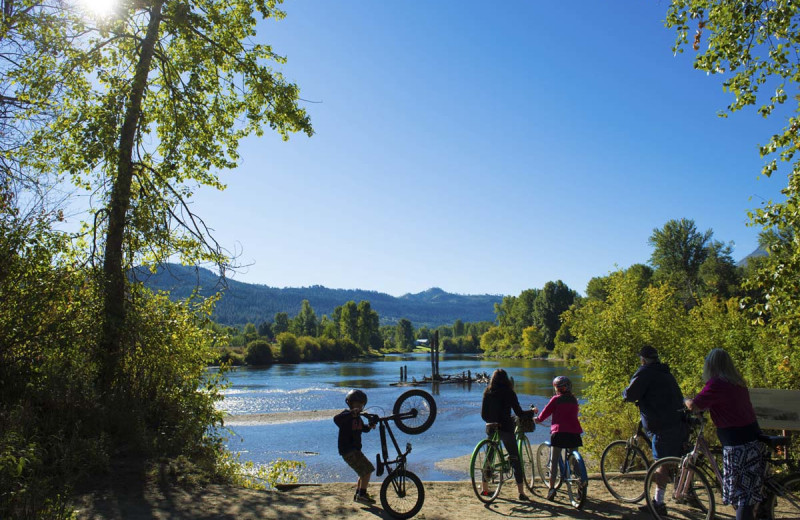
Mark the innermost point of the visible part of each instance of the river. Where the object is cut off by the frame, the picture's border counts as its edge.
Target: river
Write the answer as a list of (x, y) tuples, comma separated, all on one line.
[(302, 396)]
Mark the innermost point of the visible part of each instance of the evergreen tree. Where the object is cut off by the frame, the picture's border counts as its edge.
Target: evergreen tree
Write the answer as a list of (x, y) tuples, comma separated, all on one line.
[(305, 323)]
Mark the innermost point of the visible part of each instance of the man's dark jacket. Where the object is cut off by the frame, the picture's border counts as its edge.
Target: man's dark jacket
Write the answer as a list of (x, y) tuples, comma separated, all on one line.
[(658, 395)]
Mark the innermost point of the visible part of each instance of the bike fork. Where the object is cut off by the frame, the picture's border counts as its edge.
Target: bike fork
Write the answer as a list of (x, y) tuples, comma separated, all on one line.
[(684, 481)]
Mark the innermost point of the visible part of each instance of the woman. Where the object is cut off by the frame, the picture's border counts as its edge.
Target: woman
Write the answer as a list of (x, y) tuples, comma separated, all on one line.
[(565, 428), (499, 399), (725, 395)]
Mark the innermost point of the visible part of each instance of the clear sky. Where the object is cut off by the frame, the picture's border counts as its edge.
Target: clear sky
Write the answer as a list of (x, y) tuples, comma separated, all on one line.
[(485, 148)]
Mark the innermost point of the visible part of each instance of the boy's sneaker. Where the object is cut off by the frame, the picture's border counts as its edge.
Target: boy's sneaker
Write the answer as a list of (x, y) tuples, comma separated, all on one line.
[(363, 498), (551, 494), (660, 507)]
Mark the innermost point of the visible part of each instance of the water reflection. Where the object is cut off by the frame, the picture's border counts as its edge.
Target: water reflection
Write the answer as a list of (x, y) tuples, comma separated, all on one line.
[(361, 370)]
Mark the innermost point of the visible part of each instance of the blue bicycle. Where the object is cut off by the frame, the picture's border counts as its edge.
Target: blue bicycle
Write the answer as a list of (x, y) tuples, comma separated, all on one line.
[(572, 471)]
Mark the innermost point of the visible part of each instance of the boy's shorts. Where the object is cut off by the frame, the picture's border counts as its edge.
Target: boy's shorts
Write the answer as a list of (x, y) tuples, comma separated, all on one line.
[(360, 464)]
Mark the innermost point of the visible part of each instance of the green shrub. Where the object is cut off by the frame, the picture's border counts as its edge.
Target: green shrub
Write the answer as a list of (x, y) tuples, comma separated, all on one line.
[(290, 352), (310, 348), (259, 352)]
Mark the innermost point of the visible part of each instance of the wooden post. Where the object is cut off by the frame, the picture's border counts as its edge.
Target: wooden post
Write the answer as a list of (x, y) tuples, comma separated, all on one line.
[(436, 355), (432, 345)]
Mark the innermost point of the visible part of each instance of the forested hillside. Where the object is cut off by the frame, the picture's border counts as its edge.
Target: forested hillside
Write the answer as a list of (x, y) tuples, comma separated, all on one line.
[(243, 303)]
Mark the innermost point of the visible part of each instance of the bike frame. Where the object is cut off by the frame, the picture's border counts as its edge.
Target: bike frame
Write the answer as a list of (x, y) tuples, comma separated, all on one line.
[(519, 436), (563, 467), (494, 438), (689, 460), (383, 428)]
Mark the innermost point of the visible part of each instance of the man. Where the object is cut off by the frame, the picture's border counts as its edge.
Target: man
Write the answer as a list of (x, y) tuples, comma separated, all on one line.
[(660, 401)]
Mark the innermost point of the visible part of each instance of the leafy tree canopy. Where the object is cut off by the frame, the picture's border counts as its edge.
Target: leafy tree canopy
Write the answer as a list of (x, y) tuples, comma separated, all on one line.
[(754, 47)]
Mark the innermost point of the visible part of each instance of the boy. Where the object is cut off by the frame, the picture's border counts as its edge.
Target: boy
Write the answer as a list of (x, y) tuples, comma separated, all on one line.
[(350, 427)]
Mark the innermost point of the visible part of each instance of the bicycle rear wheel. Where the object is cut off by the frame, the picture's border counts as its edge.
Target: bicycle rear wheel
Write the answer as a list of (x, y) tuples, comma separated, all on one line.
[(486, 465), (576, 486), (402, 494), (420, 407), (695, 500), (784, 502), (528, 464), (624, 469)]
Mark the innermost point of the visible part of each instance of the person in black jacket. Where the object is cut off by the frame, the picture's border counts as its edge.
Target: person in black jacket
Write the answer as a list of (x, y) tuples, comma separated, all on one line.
[(350, 426), (499, 399), (654, 389)]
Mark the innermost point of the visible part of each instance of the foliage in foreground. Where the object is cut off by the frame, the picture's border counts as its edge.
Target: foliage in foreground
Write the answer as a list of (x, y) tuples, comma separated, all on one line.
[(51, 430)]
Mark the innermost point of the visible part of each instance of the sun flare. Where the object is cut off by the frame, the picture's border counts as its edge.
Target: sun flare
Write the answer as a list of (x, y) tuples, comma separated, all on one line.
[(100, 8)]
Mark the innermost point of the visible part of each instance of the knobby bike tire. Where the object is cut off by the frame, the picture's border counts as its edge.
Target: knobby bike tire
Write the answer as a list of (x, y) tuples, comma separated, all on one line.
[(528, 463), (784, 503), (418, 400), (402, 494), (486, 464), (624, 469), (576, 485), (697, 504)]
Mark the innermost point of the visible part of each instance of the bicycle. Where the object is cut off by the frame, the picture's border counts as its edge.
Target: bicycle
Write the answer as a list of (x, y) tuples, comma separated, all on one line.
[(402, 493), (572, 470), (782, 492), (624, 466), (690, 495), (490, 463)]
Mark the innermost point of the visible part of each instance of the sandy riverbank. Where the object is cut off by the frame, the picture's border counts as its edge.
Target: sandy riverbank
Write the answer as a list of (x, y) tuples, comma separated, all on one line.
[(280, 417)]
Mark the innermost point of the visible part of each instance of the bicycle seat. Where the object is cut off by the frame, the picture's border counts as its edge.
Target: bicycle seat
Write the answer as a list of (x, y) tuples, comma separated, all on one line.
[(773, 441), (492, 427)]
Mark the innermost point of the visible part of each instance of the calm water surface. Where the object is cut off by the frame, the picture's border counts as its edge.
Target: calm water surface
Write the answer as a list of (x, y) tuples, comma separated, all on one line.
[(322, 386)]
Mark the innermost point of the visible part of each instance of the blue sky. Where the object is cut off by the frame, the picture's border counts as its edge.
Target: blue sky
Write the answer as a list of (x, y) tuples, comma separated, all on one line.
[(485, 148)]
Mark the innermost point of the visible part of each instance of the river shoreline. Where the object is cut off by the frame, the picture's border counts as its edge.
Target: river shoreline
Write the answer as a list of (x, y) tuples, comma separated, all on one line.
[(256, 419)]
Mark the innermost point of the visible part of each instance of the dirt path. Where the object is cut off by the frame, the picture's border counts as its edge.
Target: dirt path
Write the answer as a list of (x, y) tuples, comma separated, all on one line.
[(443, 500)]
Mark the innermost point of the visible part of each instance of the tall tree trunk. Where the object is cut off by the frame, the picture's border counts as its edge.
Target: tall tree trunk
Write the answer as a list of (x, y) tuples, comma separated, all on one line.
[(113, 274)]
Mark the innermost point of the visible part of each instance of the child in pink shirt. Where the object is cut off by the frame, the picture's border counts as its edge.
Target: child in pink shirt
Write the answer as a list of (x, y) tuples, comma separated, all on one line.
[(565, 429)]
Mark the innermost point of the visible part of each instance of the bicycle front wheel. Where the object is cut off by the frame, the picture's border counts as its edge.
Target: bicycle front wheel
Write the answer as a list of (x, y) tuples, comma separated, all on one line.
[(784, 501), (402, 494), (486, 471), (624, 469), (417, 410), (543, 465), (688, 494), (576, 486), (528, 464)]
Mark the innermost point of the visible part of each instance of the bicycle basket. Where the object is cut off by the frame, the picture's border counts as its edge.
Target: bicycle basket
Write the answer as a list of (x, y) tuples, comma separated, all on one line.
[(525, 422)]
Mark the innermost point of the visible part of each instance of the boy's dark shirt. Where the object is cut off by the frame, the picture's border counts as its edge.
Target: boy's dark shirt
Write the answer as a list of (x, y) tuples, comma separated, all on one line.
[(350, 429), (497, 406)]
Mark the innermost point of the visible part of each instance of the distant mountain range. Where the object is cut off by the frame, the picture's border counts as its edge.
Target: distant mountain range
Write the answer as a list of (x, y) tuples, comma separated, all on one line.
[(243, 303), (755, 254)]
